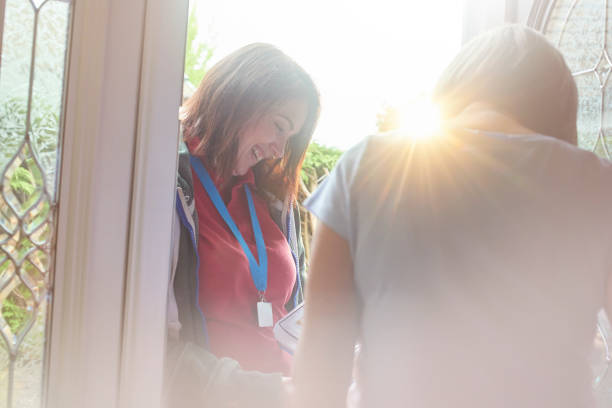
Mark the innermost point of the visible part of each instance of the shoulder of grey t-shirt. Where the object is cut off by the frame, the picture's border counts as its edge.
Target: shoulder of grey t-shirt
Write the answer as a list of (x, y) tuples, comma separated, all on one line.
[(330, 202)]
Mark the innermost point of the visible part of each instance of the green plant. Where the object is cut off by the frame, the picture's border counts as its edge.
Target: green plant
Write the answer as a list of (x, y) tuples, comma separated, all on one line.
[(43, 132), (318, 162), (197, 53), (26, 182), (14, 310), (23, 181)]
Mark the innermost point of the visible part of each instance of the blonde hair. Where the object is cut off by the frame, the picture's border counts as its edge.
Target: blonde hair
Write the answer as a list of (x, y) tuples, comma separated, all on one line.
[(518, 72)]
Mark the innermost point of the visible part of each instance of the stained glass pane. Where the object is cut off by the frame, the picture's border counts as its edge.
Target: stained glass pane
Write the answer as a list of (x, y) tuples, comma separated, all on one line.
[(589, 110), (582, 31), (14, 75), (34, 44), (566, 30)]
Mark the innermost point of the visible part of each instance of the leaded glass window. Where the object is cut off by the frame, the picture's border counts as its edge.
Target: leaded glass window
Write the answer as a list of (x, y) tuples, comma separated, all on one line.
[(34, 38), (581, 30)]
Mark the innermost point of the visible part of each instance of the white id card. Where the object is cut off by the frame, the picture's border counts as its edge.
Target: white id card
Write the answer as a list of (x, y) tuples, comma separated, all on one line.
[(264, 314)]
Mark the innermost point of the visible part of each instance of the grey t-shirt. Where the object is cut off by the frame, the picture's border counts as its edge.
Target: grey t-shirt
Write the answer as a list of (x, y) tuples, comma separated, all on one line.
[(480, 259)]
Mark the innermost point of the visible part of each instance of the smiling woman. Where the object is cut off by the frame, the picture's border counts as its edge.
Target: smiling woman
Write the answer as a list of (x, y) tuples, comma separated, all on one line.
[(238, 99), (267, 137), (238, 258)]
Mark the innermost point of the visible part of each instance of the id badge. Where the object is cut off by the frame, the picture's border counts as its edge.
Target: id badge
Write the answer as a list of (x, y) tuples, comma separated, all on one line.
[(264, 314)]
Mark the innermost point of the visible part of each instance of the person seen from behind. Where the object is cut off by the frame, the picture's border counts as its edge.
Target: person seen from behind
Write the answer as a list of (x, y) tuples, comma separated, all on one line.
[(470, 265)]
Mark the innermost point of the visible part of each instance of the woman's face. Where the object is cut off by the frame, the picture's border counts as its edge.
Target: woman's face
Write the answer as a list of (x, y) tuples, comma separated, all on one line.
[(267, 137)]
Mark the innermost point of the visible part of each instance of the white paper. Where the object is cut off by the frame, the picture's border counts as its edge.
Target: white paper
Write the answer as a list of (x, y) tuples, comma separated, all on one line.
[(287, 330)]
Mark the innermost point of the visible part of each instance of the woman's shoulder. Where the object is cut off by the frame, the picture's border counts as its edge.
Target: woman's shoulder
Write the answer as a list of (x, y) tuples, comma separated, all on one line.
[(580, 158), (184, 179), (376, 151)]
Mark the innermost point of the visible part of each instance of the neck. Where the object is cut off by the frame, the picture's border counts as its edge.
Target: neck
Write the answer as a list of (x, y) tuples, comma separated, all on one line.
[(484, 117)]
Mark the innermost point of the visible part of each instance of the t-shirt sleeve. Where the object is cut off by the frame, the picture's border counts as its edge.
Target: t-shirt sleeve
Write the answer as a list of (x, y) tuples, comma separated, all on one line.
[(331, 201)]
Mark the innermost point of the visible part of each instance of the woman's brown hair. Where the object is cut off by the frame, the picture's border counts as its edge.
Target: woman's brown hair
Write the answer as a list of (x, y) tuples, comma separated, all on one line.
[(239, 89), (517, 71)]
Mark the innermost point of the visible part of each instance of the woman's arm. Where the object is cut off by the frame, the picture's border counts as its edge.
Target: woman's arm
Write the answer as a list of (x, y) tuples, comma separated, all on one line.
[(195, 378), (324, 360)]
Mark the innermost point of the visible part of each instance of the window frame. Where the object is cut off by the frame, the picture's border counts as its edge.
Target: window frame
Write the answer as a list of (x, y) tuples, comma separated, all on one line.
[(106, 342), (482, 15), (539, 14)]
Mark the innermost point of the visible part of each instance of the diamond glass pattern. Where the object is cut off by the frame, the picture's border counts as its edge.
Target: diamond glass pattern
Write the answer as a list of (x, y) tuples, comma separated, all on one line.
[(602, 70), (34, 44), (581, 30)]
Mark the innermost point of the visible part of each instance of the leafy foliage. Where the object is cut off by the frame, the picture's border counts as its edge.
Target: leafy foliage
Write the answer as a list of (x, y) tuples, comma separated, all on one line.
[(23, 181), (319, 161), (14, 310), (197, 53), (44, 136), (26, 216)]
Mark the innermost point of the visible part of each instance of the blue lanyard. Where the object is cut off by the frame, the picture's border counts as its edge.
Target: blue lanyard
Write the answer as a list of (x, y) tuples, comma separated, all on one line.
[(259, 270)]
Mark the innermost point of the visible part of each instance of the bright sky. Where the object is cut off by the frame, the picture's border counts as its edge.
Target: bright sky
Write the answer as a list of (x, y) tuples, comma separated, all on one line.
[(361, 54)]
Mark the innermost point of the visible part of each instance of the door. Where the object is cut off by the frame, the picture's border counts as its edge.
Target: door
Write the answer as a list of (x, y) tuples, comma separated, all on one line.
[(89, 156)]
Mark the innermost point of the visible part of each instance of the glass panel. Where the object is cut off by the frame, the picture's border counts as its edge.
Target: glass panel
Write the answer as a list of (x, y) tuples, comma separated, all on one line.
[(48, 86), (565, 28), (27, 392), (580, 28), (589, 110), (31, 89), (14, 75)]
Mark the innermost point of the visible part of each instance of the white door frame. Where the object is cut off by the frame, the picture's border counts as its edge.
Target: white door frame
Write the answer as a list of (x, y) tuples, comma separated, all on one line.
[(153, 192), (124, 81)]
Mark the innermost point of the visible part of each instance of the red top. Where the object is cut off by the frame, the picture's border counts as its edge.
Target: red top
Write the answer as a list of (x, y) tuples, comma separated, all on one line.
[(227, 294)]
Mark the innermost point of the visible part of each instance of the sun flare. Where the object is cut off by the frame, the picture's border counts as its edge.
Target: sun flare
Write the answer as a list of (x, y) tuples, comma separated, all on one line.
[(420, 119)]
